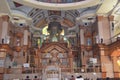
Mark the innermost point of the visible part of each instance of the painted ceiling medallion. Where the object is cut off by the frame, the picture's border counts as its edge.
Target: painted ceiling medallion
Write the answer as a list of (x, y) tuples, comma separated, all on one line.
[(59, 6), (59, 1)]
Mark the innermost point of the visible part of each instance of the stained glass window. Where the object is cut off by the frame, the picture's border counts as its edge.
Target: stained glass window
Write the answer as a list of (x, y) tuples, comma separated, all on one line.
[(44, 30)]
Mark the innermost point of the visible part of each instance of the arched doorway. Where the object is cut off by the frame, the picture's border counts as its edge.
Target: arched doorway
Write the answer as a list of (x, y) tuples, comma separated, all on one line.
[(116, 62)]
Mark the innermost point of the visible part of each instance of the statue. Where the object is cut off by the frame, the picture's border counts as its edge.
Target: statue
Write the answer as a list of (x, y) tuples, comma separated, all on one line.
[(55, 30)]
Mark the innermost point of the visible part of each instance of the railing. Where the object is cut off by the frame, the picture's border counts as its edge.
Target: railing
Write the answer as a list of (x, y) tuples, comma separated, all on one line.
[(87, 70), (39, 70), (90, 76), (22, 70), (22, 73), (59, 1), (22, 76)]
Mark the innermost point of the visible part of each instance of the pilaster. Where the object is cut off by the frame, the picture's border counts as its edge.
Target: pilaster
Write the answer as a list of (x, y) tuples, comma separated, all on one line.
[(102, 54), (5, 24), (103, 29)]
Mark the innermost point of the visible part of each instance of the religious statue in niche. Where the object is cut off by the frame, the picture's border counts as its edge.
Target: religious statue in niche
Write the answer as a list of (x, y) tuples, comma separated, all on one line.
[(54, 29), (88, 37), (89, 42)]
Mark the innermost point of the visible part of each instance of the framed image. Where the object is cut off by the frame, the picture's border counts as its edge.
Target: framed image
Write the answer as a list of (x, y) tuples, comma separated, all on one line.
[(26, 65)]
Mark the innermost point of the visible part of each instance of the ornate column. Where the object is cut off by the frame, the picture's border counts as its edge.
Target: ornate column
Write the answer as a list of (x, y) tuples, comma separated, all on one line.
[(82, 38), (37, 58), (25, 42), (71, 60), (82, 45), (26, 34)]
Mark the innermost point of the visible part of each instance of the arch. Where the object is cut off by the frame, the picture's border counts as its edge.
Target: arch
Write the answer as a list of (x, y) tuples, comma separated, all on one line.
[(116, 53)]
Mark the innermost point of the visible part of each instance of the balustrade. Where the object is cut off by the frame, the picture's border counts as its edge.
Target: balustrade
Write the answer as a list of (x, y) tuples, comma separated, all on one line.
[(39, 70)]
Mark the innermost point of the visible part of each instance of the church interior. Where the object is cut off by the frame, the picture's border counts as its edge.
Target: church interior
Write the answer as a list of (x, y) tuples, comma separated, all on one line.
[(55, 39)]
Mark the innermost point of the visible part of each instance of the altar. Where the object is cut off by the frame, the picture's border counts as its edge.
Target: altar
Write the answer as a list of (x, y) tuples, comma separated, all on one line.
[(52, 73)]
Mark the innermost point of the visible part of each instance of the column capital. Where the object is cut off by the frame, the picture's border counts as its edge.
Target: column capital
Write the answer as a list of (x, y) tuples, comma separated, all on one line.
[(99, 18), (111, 18), (5, 18)]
